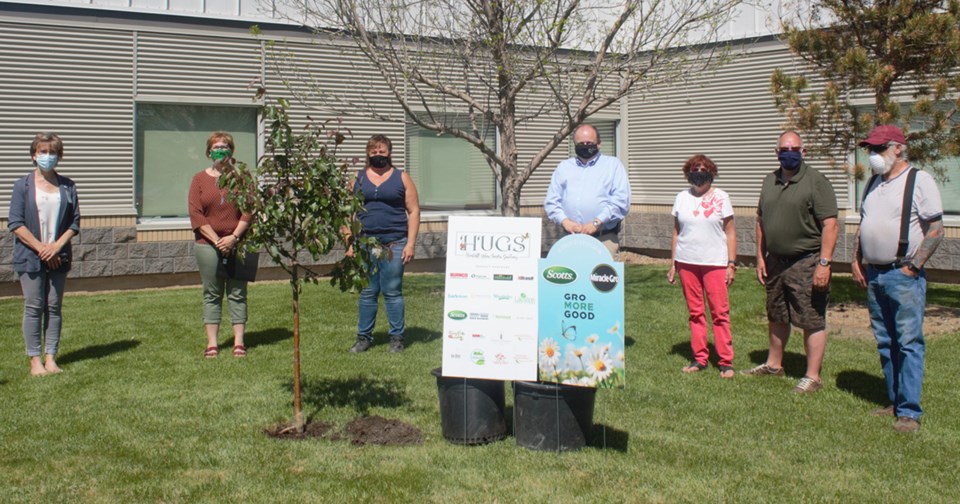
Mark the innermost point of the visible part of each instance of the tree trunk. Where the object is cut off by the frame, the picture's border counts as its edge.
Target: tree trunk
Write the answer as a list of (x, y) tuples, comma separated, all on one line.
[(510, 193), (297, 412)]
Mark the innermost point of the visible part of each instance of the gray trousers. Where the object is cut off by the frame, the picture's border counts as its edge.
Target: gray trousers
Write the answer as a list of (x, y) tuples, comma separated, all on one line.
[(42, 295), (214, 287)]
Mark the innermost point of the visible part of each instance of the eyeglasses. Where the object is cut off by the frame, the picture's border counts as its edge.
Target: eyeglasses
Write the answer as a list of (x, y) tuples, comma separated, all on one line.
[(789, 149), (878, 148)]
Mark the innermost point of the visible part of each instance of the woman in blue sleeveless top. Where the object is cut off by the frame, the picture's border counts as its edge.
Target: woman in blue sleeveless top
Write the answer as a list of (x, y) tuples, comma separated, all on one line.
[(392, 216)]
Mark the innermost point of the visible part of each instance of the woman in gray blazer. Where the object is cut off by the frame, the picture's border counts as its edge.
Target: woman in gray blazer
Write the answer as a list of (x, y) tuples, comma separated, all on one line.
[(44, 216)]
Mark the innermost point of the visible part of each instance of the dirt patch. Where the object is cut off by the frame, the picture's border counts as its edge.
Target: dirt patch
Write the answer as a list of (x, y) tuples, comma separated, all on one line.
[(382, 431), (361, 431), (635, 258), (852, 321), (310, 431)]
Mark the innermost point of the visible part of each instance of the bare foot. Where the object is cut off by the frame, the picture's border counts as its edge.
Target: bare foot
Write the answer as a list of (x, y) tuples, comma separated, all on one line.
[(727, 374), (51, 367), (36, 367)]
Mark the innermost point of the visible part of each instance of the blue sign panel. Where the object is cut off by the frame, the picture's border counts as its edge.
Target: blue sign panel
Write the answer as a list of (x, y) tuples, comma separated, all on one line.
[(581, 338)]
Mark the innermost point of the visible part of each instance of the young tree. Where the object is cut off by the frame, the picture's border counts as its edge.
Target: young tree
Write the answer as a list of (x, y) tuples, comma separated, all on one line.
[(480, 68), (902, 56), (301, 200)]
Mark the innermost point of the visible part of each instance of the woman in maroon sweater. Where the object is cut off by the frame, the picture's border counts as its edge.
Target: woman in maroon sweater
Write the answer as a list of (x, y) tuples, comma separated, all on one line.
[(218, 226)]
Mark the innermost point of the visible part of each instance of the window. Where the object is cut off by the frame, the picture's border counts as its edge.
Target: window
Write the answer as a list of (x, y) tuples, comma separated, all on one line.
[(170, 147), (949, 188), (449, 173), (608, 136)]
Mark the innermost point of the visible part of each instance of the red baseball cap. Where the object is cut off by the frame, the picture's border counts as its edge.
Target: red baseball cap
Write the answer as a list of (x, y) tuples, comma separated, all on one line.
[(881, 135)]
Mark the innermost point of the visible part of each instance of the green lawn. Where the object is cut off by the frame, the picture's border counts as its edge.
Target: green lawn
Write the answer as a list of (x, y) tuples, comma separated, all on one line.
[(139, 416)]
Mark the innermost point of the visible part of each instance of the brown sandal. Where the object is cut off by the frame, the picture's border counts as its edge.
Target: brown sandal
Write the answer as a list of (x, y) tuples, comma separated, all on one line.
[(211, 352), (239, 351)]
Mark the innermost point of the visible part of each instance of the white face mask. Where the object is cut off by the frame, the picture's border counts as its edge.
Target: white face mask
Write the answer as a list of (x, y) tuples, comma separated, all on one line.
[(879, 163)]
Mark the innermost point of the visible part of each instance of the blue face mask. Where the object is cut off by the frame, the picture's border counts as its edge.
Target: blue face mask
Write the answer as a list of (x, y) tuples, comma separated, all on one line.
[(790, 160), (47, 162)]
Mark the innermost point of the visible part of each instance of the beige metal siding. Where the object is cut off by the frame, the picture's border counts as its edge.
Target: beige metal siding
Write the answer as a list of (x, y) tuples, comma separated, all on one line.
[(212, 68), (77, 83), (339, 70), (729, 116)]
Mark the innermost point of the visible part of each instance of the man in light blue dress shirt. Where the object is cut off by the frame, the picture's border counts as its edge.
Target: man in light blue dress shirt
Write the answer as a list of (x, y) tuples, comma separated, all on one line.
[(589, 193)]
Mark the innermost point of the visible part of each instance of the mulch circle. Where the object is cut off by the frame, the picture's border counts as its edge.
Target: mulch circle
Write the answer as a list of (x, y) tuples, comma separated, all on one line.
[(374, 430), (310, 430), (382, 431)]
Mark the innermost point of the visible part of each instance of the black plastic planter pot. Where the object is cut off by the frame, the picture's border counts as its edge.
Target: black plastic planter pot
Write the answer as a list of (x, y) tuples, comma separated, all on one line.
[(552, 417), (471, 410)]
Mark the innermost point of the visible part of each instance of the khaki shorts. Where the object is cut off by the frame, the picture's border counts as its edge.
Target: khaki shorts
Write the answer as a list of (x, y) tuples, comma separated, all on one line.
[(790, 294)]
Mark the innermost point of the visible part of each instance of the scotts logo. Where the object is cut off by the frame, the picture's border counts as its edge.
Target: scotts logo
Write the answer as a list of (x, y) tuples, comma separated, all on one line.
[(559, 275), (604, 278), (457, 315)]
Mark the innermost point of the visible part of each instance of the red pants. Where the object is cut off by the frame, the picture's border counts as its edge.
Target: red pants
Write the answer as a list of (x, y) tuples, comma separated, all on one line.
[(712, 281)]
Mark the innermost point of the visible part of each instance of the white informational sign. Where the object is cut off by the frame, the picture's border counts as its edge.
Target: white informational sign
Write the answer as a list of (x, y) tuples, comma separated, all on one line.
[(490, 310)]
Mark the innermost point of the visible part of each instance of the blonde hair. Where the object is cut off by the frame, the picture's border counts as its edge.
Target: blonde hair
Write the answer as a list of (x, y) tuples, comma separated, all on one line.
[(51, 140), (219, 135)]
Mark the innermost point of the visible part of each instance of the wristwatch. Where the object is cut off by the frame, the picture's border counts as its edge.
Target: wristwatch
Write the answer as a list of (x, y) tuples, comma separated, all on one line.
[(825, 262), (597, 223), (912, 267)]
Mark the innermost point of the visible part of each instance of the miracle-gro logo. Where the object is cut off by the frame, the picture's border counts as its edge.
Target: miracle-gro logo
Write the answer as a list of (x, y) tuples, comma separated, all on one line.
[(559, 275), (604, 278)]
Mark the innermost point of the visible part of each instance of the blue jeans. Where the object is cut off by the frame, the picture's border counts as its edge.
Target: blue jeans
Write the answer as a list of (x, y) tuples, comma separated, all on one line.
[(387, 278), (896, 315)]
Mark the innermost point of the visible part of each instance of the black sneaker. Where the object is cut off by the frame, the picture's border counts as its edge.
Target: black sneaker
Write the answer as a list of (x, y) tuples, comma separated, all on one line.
[(396, 345), (361, 345)]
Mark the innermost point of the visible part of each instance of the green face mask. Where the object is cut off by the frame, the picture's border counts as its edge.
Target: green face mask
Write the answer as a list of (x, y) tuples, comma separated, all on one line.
[(219, 154)]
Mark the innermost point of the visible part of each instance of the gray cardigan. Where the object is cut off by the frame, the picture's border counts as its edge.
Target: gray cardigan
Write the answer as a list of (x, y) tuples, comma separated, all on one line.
[(23, 212)]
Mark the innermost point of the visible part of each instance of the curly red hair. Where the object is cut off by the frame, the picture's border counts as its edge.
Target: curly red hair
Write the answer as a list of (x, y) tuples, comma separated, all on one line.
[(700, 161)]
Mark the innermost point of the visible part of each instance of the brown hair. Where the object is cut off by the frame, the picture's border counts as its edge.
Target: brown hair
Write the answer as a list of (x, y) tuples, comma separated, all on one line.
[(700, 160), (380, 139), (50, 139), (219, 135)]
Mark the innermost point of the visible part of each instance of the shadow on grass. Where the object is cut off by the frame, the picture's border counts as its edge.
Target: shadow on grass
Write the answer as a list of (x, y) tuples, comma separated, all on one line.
[(411, 336), (794, 364), (684, 350), (359, 394), (628, 341), (260, 338), (609, 438), (97, 351), (864, 385)]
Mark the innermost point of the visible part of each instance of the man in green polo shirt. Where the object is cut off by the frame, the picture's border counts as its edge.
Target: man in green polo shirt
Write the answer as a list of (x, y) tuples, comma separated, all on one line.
[(796, 234)]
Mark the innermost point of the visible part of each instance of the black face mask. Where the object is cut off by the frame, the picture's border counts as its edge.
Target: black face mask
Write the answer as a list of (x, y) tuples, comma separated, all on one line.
[(698, 178), (586, 150), (379, 161)]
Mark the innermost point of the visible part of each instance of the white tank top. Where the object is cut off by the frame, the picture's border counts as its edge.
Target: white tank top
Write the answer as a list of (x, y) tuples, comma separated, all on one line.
[(48, 206)]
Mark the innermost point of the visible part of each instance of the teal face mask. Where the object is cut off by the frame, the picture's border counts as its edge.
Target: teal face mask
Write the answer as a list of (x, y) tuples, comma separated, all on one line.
[(219, 154)]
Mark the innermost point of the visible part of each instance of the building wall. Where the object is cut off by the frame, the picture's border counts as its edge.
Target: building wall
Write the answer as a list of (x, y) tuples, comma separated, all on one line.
[(81, 73)]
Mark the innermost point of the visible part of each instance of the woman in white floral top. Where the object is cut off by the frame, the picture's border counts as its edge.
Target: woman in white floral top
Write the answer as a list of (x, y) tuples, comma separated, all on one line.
[(704, 253)]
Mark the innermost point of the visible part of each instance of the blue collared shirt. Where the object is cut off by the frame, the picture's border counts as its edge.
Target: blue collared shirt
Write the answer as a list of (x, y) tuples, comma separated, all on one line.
[(582, 192)]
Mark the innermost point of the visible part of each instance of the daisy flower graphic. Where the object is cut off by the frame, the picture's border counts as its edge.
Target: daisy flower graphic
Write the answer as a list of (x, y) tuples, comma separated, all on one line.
[(592, 338), (599, 366), (549, 353)]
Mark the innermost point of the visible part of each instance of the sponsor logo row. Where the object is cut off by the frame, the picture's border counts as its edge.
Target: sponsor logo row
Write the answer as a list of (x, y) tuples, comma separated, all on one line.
[(482, 358)]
